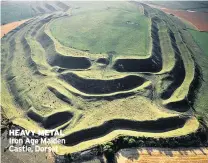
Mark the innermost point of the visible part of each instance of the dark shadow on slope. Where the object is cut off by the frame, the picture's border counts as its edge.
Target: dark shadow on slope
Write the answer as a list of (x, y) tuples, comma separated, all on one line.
[(195, 85), (95, 86), (57, 119), (104, 61), (179, 106), (41, 23), (60, 95), (56, 59), (152, 64), (188, 102), (146, 92), (160, 125), (177, 74), (52, 121)]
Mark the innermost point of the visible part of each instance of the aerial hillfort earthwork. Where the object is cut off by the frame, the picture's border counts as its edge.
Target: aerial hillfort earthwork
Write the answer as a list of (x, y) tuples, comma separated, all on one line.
[(110, 75)]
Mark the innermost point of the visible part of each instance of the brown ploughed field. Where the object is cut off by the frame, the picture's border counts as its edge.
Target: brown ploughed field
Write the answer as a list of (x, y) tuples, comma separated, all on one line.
[(198, 19), (10, 26)]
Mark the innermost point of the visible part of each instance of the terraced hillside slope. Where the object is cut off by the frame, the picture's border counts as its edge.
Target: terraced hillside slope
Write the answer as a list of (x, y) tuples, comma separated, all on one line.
[(127, 70), (193, 14)]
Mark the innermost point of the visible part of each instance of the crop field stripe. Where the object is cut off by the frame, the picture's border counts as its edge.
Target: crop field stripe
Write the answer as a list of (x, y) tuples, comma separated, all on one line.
[(155, 155)]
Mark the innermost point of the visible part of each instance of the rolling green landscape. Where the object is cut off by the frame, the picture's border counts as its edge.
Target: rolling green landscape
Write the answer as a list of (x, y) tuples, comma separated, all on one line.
[(109, 76), (20, 10)]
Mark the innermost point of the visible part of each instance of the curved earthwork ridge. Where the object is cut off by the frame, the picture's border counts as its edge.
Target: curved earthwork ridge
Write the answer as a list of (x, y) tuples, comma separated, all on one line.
[(152, 64), (144, 90), (156, 51), (52, 121), (93, 86), (153, 126), (84, 63), (178, 72), (56, 59)]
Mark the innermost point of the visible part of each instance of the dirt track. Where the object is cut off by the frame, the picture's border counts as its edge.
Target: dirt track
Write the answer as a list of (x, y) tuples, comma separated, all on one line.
[(159, 155), (10, 26)]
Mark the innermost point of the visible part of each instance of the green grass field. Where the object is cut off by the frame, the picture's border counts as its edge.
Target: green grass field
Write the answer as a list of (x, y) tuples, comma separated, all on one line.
[(16, 11), (201, 38), (125, 32), (19, 10)]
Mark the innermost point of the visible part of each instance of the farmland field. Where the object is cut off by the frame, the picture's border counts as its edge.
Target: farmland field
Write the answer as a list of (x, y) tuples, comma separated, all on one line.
[(197, 19), (10, 26), (193, 14), (201, 38), (183, 5), (103, 75), (155, 155)]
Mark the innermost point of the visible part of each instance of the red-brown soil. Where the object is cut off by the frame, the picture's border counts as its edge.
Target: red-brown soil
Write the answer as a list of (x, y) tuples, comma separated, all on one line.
[(10, 26), (198, 19)]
